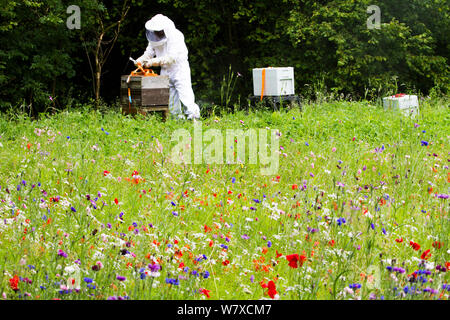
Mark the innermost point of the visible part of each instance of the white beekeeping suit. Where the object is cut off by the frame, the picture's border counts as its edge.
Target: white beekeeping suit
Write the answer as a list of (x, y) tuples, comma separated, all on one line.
[(166, 48)]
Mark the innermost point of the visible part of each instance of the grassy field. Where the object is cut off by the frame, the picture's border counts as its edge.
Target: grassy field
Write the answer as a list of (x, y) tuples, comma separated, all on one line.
[(94, 207)]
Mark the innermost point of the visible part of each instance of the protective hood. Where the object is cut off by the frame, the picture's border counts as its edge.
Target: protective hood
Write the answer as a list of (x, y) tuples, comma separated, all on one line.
[(159, 23)]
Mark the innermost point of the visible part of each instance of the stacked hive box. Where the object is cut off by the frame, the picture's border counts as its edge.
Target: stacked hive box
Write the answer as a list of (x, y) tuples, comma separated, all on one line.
[(407, 104), (148, 93)]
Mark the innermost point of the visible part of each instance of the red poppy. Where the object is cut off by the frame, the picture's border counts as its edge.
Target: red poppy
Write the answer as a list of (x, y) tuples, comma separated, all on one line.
[(294, 187), (437, 244), (425, 255), (331, 243), (205, 292), (272, 289), (116, 201), (279, 254), (293, 260), (399, 240), (226, 262), (414, 245), (14, 283), (106, 172)]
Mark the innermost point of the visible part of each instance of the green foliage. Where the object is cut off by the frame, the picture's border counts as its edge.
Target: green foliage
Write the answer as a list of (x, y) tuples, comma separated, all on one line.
[(334, 40), (36, 53)]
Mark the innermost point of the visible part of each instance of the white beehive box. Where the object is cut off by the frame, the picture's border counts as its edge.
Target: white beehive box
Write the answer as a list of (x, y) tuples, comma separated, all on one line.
[(407, 104), (277, 82)]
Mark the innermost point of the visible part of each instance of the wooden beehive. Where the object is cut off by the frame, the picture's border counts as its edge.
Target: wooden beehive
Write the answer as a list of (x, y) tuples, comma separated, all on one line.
[(148, 93)]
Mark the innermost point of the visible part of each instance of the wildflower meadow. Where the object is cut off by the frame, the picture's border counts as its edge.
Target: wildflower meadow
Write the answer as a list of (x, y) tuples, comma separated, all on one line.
[(94, 206)]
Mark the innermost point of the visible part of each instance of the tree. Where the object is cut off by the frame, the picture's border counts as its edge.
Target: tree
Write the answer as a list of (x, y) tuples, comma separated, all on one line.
[(100, 31)]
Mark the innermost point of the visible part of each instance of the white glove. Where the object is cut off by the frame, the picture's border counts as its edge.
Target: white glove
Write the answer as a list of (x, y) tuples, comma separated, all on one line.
[(156, 62)]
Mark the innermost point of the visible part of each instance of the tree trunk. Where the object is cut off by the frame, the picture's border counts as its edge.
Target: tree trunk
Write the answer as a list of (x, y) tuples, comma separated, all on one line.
[(98, 69), (98, 72)]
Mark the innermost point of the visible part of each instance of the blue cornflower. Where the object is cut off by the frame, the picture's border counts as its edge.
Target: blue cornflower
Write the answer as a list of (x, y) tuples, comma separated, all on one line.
[(206, 274), (73, 209), (424, 143), (233, 180), (172, 281), (88, 280)]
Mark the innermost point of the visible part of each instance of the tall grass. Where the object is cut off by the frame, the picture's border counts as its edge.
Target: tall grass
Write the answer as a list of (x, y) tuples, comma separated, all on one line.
[(380, 171)]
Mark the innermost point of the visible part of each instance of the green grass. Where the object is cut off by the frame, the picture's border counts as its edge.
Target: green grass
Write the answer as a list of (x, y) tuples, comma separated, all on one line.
[(327, 150)]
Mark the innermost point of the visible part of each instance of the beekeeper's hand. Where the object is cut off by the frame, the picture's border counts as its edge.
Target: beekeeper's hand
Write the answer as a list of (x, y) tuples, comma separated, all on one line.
[(157, 62)]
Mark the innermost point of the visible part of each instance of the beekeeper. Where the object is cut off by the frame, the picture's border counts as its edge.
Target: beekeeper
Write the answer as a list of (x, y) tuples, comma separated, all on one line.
[(166, 48)]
